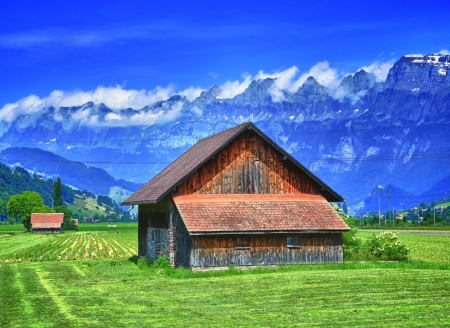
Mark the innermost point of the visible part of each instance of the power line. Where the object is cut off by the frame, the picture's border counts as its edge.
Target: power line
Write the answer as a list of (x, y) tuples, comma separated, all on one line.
[(319, 160), (387, 127), (199, 138), (80, 162)]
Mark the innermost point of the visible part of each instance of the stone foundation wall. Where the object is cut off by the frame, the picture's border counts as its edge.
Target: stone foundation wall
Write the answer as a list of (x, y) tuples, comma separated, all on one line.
[(158, 241)]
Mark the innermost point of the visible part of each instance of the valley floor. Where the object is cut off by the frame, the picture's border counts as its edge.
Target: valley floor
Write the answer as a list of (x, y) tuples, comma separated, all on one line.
[(120, 293)]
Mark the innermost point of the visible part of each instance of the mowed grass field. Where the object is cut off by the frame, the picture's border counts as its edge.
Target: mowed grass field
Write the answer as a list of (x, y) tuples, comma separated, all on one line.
[(113, 291)]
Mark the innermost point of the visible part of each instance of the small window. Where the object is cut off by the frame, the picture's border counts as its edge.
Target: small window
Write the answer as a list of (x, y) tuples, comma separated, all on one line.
[(242, 243), (293, 242)]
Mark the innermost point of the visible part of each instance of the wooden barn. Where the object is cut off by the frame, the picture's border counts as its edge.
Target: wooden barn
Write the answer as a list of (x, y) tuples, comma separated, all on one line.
[(237, 198), (47, 222)]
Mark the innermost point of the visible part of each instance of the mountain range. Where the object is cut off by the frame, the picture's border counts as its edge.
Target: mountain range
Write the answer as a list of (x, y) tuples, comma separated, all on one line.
[(365, 135)]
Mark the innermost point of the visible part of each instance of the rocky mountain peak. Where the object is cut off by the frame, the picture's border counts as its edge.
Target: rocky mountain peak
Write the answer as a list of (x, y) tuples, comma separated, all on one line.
[(312, 88), (420, 73), (354, 87), (208, 95), (257, 92), (358, 82)]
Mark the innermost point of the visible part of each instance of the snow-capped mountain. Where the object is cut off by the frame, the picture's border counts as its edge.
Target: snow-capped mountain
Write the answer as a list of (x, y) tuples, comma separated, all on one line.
[(363, 134)]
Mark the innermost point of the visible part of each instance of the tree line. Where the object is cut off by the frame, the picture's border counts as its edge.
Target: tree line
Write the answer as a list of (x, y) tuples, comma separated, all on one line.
[(22, 194)]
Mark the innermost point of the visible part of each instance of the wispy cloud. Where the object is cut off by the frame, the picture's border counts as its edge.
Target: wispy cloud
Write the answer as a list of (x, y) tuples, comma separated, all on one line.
[(380, 69), (160, 30), (116, 98), (84, 37), (230, 89), (286, 80)]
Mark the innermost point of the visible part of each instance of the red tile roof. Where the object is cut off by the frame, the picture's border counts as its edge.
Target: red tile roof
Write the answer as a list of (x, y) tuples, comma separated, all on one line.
[(47, 220), (196, 156), (218, 213)]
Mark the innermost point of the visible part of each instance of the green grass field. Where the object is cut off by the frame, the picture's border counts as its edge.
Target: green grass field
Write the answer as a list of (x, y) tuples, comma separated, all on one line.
[(113, 291)]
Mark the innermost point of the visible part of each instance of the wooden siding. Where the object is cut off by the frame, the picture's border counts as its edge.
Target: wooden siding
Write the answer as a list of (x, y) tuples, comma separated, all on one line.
[(270, 249), (248, 165), (183, 244)]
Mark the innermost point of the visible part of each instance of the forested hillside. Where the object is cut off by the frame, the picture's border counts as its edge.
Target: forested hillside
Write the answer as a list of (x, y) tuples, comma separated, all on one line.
[(13, 182)]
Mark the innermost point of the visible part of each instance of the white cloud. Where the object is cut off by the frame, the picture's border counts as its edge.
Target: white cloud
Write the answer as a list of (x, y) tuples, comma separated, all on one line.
[(191, 93), (380, 70), (230, 89), (324, 74), (116, 98), (444, 52), (286, 80)]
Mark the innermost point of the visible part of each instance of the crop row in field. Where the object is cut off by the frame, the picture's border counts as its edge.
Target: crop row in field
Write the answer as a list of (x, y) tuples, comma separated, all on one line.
[(79, 246), (10, 244)]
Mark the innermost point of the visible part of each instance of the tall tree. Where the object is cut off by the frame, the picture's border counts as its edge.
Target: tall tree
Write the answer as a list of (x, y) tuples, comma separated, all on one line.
[(21, 206), (57, 194)]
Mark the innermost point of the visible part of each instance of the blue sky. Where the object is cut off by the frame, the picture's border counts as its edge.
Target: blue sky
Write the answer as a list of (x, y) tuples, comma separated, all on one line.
[(153, 49)]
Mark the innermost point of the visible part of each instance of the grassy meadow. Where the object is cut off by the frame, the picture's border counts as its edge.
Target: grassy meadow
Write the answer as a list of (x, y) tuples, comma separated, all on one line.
[(92, 279)]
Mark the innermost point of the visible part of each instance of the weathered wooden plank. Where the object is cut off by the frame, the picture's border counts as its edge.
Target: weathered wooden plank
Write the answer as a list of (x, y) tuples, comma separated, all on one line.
[(210, 251), (252, 167)]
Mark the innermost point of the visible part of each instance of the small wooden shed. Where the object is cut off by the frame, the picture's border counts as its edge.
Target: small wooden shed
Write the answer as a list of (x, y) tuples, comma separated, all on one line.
[(237, 198), (47, 222)]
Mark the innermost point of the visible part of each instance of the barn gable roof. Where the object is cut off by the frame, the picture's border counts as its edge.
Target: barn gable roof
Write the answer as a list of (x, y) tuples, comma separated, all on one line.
[(190, 161), (47, 220), (253, 213)]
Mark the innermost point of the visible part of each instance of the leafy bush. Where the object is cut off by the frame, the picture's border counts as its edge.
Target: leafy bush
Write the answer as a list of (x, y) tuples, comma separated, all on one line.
[(350, 241), (162, 262), (386, 246), (351, 244), (144, 262)]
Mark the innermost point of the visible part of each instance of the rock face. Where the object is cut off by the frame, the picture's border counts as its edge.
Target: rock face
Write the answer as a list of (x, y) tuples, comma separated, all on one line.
[(364, 134), (354, 87), (416, 73)]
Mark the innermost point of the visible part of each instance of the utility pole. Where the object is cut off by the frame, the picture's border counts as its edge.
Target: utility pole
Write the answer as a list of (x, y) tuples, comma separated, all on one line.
[(418, 217), (401, 212), (434, 210), (379, 211), (389, 204)]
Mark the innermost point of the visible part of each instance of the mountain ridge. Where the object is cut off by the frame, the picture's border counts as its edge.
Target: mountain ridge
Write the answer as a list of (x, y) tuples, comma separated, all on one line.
[(76, 174), (363, 134)]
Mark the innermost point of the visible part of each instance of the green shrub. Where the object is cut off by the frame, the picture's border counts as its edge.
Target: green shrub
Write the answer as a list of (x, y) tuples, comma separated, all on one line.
[(350, 241), (144, 262), (162, 262), (386, 246), (351, 244)]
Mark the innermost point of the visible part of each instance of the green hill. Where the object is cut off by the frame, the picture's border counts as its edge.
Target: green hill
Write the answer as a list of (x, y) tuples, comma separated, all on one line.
[(81, 203)]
